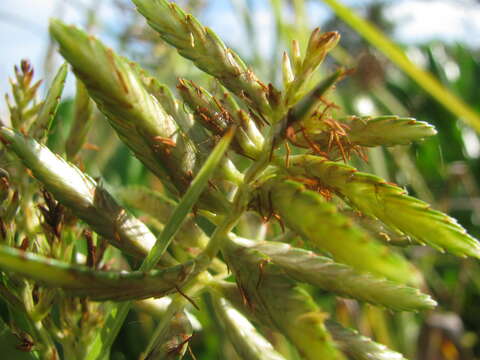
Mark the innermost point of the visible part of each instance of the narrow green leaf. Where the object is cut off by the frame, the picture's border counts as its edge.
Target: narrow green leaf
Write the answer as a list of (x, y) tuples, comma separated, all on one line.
[(375, 197), (335, 234), (97, 285), (79, 192), (430, 84), (305, 266), (41, 126), (359, 347), (248, 343)]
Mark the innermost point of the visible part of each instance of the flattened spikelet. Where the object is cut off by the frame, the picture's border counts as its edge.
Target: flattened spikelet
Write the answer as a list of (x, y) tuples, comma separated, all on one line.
[(206, 50), (79, 192), (97, 285), (375, 197), (327, 230), (276, 300), (305, 266)]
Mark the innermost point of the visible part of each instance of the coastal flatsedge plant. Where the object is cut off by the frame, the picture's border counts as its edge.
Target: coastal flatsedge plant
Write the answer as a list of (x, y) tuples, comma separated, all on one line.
[(260, 210)]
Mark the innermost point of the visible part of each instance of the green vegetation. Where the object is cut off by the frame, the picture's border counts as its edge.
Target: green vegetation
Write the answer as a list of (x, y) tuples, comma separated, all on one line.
[(243, 229)]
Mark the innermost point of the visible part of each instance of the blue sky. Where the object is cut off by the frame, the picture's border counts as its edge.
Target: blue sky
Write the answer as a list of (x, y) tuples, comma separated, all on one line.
[(23, 24)]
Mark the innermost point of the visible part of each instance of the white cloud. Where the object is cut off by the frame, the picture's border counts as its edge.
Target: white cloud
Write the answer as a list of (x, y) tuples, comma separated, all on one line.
[(419, 21)]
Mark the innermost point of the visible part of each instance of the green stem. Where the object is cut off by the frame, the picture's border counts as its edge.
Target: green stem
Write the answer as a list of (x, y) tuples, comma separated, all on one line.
[(239, 206)]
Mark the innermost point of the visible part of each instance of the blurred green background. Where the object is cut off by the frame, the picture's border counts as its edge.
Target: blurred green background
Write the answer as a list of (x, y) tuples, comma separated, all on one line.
[(439, 37)]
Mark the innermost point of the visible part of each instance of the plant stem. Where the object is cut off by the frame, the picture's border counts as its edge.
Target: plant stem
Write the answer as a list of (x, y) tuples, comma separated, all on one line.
[(239, 206)]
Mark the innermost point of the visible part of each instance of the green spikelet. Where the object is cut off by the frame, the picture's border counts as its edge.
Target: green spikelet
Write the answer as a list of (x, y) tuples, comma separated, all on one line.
[(79, 192), (387, 130), (135, 114), (97, 285), (214, 115), (248, 122), (248, 343), (334, 234), (279, 302), (305, 266), (118, 93), (24, 107), (206, 50), (375, 197), (368, 131), (168, 101), (359, 347), (354, 345), (297, 76), (200, 140)]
